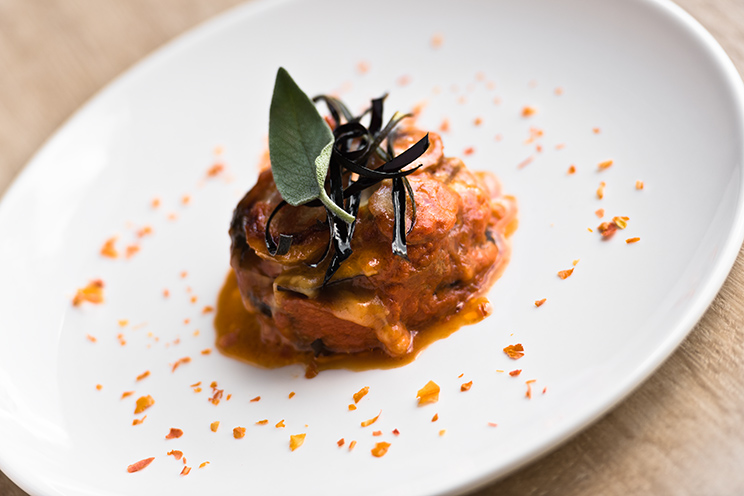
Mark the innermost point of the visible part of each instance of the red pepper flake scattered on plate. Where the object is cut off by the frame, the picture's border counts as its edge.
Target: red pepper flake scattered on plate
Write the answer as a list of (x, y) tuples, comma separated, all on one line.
[(632, 240), (126, 394), (435, 417), (108, 249), (351, 445), (529, 383), (143, 375), (206, 351), (396, 432), (216, 395), (92, 293), (545, 389), (436, 41), (377, 433), (600, 190), (571, 170), (607, 229), (194, 299), (524, 163), (203, 464), (514, 351), (137, 466), (639, 185), (132, 250), (371, 421), (239, 432), (428, 394), (99, 387), (215, 170), (296, 440), (539, 303), (466, 386), (515, 372), (380, 449), (442, 432), (185, 471), (340, 442), (560, 146), (174, 433), (143, 403), (145, 231), (558, 91), (477, 121), (262, 422), (207, 309), (214, 426), (361, 394), (468, 151), (596, 130), (257, 398), (155, 203), (528, 111), (493, 424), (166, 293), (280, 424), (621, 222), (564, 274), (291, 395), (185, 199), (176, 454), (599, 212), (179, 362), (90, 338), (352, 407), (444, 126)]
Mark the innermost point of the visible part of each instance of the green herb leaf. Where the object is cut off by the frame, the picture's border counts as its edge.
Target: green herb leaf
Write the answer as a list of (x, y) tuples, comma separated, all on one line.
[(321, 169), (298, 139)]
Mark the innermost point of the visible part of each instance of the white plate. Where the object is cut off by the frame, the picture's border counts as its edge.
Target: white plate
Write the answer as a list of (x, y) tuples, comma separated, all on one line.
[(667, 102)]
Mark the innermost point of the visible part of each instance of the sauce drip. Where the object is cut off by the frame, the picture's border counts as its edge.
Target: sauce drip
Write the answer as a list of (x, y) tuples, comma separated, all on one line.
[(238, 336)]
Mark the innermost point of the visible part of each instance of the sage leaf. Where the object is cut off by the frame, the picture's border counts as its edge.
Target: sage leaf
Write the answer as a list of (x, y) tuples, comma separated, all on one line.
[(297, 137), (321, 169)]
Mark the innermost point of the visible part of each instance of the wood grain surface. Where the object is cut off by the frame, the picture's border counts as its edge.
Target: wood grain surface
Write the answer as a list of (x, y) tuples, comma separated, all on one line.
[(681, 432)]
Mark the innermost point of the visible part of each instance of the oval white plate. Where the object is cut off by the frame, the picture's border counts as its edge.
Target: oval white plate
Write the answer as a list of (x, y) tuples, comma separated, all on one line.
[(667, 104)]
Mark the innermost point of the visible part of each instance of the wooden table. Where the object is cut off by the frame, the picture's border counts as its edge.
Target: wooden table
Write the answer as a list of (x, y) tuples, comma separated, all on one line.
[(682, 432)]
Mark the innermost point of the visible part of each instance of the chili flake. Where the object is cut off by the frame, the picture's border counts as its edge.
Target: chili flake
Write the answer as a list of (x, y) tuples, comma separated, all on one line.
[(214, 426), (143, 375), (361, 394), (444, 126), (108, 249), (607, 229), (524, 163), (599, 212), (442, 432), (632, 240), (296, 440), (262, 422), (371, 421), (515, 372), (539, 303), (435, 417), (514, 351), (468, 151), (215, 170), (143, 403), (340, 442), (186, 471), (179, 362), (428, 394), (492, 424), (139, 421), (176, 454), (380, 449), (564, 274), (351, 445), (466, 386), (90, 338), (239, 432), (280, 424), (396, 432), (528, 111), (137, 466), (206, 351), (126, 394), (571, 169), (600, 190), (203, 464), (352, 407), (291, 395), (92, 293), (99, 387), (257, 398), (639, 185), (207, 309), (174, 433), (529, 383)]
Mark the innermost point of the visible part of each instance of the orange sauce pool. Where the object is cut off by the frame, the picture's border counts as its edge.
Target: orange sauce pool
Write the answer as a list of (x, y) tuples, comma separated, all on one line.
[(238, 336), (238, 333)]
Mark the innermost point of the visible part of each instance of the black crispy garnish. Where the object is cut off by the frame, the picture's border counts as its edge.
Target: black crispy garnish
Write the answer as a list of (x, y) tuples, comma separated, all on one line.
[(353, 148)]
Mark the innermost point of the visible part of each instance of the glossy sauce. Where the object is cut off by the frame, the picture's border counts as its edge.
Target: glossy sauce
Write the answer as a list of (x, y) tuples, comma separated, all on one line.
[(238, 334)]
